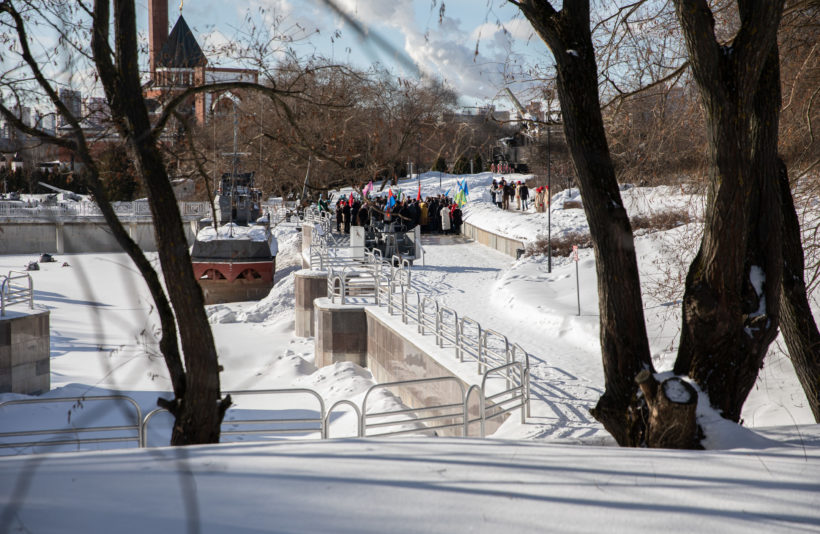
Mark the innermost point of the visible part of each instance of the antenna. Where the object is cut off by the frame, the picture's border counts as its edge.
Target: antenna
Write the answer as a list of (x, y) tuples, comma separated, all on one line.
[(235, 157)]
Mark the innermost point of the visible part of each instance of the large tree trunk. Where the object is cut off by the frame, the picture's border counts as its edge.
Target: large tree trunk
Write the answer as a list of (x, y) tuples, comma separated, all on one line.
[(796, 320), (199, 412), (168, 341), (624, 344), (731, 300)]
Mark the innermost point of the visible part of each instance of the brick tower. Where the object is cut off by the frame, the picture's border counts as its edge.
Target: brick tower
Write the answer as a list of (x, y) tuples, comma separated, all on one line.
[(157, 31)]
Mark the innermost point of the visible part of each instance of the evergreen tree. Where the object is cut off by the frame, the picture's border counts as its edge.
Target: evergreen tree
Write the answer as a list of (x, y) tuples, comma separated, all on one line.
[(440, 164)]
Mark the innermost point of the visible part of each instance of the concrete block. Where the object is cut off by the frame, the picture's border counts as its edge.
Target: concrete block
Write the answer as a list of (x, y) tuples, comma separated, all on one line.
[(27, 352), (308, 286), (27, 328), (5, 379), (341, 333), (5, 332), (23, 372), (5, 356), (24, 358)]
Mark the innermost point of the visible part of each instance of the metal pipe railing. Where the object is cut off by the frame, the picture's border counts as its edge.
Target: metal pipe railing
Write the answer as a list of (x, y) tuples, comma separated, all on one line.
[(78, 430), (356, 410), (12, 293), (431, 417), (414, 414), (514, 393), (320, 420)]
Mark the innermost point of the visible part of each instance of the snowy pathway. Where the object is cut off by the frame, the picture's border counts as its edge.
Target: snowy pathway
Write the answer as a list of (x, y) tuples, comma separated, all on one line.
[(477, 282)]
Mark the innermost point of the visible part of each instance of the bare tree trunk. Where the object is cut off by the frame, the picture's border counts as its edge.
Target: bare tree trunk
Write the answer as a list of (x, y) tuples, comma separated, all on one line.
[(168, 341), (624, 344), (731, 300), (796, 320), (199, 412), (672, 412)]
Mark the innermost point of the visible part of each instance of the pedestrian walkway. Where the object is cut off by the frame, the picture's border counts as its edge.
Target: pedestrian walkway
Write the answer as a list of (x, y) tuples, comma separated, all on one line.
[(560, 399)]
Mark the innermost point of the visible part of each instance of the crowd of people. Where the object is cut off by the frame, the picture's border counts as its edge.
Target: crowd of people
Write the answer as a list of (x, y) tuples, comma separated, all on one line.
[(434, 214), (504, 193)]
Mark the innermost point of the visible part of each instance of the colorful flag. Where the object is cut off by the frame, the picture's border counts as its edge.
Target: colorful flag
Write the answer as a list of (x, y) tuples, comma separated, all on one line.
[(368, 188), (459, 198), (418, 197)]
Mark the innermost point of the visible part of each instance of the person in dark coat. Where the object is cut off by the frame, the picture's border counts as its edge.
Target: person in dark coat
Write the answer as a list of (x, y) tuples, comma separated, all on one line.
[(433, 217), (363, 215), (339, 216), (509, 191), (455, 215), (346, 217), (354, 213), (525, 194)]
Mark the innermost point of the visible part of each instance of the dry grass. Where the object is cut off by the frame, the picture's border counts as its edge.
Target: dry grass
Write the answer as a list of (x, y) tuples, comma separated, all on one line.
[(562, 245), (659, 222)]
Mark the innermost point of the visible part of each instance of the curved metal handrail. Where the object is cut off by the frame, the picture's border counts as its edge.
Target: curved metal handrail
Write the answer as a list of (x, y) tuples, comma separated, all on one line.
[(481, 410), (412, 411), (359, 430)]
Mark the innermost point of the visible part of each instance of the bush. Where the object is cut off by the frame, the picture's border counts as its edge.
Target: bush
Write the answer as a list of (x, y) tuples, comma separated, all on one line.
[(562, 244), (440, 165), (462, 166), (657, 222), (478, 163)]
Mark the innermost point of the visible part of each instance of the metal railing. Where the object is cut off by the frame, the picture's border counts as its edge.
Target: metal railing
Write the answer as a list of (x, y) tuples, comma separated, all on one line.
[(421, 419), (273, 425), (425, 418), (12, 292), (351, 283), (393, 289), (83, 433), (125, 210), (514, 396)]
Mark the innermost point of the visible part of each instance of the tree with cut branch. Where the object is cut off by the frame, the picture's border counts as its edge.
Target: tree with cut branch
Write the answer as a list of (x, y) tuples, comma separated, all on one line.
[(731, 308)]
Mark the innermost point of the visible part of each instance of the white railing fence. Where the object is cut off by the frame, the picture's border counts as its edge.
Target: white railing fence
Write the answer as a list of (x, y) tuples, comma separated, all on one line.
[(137, 209), (118, 418), (16, 288)]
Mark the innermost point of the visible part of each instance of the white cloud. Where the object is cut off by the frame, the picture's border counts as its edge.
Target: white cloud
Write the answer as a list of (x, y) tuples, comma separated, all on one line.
[(444, 50)]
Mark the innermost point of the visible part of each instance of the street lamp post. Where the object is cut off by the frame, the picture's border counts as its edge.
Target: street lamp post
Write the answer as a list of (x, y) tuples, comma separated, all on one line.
[(549, 200), (418, 154)]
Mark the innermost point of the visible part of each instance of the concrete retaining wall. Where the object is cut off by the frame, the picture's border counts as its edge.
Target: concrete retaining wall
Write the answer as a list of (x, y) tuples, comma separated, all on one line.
[(359, 334), (500, 243), (66, 237), (24, 353), (308, 286), (307, 237), (341, 333), (391, 357)]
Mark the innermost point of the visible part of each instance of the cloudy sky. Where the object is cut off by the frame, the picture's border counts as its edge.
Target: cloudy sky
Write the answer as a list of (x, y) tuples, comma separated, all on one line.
[(441, 45)]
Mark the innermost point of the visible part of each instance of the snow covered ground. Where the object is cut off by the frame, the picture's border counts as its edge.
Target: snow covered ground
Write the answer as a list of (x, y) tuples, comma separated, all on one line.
[(528, 477)]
